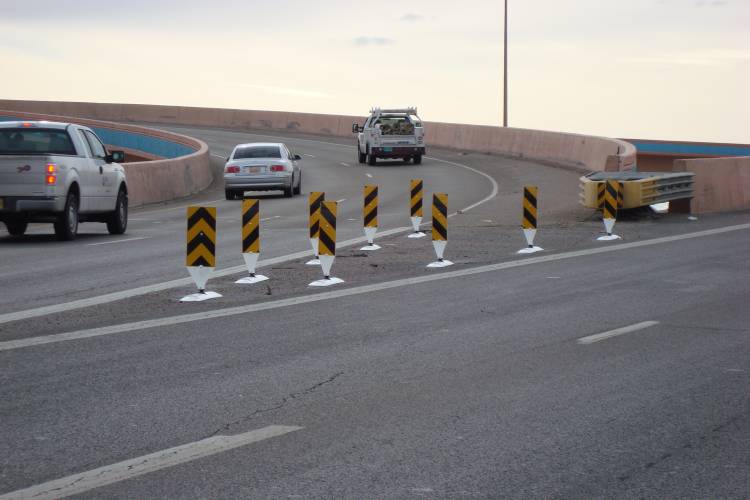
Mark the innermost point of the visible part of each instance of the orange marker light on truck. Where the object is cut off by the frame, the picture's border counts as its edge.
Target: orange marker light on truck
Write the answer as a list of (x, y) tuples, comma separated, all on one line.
[(51, 174)]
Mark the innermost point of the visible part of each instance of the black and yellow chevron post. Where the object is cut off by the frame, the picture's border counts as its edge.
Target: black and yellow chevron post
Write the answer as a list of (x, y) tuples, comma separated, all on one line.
[(201, 249), (529, 219), (440, 217), (327, 243), (529, 207), (370, 216), (314, 201), (600, 195), (620, 195), (440, 228), (610, 199), (250, 226), (251, 240), (201, 237), (327, 236), (416, 192), (609, 213)]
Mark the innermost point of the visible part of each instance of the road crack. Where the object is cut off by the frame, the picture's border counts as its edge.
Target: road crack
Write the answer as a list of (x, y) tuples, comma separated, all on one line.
[(284, 401)]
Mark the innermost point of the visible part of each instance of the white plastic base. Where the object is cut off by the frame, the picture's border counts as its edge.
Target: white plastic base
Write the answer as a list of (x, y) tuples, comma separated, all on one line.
[(608, 237), (313, 262), (415, 222), (440, 263), (327, 282), (200, 275), (326, 261), (609, 224), (200, 297), (533, 249), (251, 259), (370, 235), (249, 280)]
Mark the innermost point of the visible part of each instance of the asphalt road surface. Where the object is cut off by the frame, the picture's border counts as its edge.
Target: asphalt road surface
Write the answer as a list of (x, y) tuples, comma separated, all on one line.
[(592, 372)]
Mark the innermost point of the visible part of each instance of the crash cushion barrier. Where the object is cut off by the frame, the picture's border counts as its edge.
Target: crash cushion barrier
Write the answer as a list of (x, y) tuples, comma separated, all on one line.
[(581, 152), (720, 184), (181, 166)]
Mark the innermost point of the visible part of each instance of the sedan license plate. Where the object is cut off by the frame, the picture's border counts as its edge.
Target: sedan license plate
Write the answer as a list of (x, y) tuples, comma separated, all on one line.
[(252, 170), (387, 150)]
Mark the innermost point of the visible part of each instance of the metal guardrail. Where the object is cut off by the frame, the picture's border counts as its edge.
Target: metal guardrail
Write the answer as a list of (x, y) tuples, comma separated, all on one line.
[(639, 188)]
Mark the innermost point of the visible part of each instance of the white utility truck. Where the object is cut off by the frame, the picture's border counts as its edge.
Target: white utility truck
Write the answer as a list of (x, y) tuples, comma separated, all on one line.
[(390, 133), (59, 173)]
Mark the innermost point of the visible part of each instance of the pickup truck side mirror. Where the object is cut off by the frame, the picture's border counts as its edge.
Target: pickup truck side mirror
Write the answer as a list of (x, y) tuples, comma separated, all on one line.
[(355, 128), (297, 157), (115, 157)]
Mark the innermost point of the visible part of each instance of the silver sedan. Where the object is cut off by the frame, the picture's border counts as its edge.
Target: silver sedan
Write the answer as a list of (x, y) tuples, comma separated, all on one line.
[(262, 166)]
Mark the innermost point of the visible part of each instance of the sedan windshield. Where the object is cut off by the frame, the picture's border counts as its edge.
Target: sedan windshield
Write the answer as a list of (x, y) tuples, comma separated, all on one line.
[(257, 152), (29, 141)]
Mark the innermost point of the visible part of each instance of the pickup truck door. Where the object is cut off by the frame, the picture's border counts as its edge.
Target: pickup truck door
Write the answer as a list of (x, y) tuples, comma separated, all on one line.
[(104, 175), (88, 174)]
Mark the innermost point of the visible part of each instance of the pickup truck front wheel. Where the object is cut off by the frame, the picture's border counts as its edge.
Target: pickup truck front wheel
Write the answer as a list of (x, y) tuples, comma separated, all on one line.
[(371, 160), (417, 159), (66, 227), (16, 227), (118, 220), (361, 157)]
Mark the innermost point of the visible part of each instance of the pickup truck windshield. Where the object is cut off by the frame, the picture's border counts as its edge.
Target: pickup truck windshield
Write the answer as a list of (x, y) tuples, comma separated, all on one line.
[(35, 141), (257, 152)]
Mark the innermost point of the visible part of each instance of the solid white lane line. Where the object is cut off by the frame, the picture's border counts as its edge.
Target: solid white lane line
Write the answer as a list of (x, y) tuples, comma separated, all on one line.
[(109, 474), (347, 292), (617, 331), (342, 200), (369, 175), (345, 164), (118, 241), (271, 218), (487, 198), (218, 156), (309, 156)]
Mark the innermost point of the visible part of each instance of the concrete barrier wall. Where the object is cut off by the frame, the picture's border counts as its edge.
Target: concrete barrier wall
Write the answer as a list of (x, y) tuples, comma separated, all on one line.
[(585, 153), (721, 184), (148, 181)]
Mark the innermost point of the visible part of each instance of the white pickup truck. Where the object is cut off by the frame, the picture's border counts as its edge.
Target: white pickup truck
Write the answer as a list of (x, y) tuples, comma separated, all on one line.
[(390, 133), (59, 173)]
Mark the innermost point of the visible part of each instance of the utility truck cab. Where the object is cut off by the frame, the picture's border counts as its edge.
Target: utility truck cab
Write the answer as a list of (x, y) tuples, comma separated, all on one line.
[(390, 133)]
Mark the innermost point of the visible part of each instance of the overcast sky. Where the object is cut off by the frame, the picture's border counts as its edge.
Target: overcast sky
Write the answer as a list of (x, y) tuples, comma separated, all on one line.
[(660, 69)]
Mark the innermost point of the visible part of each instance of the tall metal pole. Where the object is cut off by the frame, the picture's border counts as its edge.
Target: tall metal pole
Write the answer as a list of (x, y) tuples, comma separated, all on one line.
[(505, 69)]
